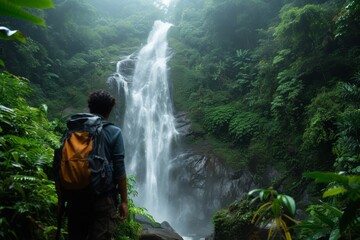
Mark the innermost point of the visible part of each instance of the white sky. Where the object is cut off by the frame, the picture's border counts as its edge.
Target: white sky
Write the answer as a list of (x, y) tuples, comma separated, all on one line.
[(166, 2)]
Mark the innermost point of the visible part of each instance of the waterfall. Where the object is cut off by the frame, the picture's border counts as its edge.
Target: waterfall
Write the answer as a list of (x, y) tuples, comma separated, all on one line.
[(148, 127), (175, 183)]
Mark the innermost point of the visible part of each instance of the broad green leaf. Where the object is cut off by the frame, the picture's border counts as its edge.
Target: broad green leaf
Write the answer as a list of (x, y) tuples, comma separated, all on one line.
[(254, 191), (11, 10), (289, 202), (33, 3), (2, 64), (335, 234), (309, 225), (320, 234), (334, 191), (325, 219), (354, 181), (333, 210), (262, 195), (326, 177)]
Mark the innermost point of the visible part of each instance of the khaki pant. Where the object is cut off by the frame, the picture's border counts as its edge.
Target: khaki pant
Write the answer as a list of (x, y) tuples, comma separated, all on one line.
[(91, 218)]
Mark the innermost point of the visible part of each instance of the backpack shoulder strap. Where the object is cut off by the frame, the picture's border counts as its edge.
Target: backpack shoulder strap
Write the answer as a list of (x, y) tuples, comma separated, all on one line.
[(106, 123)]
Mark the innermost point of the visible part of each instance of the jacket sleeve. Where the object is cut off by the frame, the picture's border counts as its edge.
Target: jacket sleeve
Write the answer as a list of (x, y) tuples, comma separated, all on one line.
[(118, 155)]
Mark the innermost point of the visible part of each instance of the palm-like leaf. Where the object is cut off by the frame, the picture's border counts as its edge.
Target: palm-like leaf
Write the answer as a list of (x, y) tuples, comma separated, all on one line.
[(272, 213), (15, 9)]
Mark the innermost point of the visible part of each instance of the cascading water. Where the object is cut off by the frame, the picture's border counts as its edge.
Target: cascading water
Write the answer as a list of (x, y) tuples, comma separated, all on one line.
[(148, 127), (175, 183)]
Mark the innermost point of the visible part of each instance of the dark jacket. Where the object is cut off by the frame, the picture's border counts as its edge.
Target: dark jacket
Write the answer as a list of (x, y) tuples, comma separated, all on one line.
[(114, 150)]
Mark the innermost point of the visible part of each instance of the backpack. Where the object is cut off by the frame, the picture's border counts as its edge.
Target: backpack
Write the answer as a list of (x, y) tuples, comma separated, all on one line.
[(80, 164)]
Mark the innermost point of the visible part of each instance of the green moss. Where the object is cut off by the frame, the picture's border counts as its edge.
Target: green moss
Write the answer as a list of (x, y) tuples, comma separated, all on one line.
[(234, 223), (232, 156)]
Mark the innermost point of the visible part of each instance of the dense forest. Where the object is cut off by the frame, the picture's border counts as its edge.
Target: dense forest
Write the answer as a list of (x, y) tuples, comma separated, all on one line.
[(265, 83)]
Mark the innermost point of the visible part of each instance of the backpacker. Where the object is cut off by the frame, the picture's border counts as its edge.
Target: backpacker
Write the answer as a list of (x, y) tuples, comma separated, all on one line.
[(80, 163)]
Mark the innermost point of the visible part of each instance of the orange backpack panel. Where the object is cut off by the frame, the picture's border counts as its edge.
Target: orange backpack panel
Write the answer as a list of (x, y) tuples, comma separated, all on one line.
[(74, 170)]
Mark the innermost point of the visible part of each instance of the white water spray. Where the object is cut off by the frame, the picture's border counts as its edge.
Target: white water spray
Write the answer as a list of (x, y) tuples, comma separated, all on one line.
[(149, 123)]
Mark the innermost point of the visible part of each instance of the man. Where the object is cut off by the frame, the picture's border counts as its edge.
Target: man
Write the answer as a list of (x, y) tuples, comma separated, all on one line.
[(92, 217)]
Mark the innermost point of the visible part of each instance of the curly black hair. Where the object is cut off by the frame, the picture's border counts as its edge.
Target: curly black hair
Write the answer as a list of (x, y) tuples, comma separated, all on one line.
[(101, 102)]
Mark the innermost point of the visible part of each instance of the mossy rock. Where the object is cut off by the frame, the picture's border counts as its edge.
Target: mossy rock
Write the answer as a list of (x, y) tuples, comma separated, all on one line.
[(234, 223)]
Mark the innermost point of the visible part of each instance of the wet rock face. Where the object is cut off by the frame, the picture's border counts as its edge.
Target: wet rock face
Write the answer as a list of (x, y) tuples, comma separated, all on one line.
[(201, 185), (213, 180), (183, 124)]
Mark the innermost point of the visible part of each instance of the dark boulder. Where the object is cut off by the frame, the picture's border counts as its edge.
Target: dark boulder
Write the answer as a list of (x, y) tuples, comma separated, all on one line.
[(156, 231)]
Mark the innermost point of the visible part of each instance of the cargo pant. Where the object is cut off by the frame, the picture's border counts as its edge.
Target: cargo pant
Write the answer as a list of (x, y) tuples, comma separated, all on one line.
[(91, 218)]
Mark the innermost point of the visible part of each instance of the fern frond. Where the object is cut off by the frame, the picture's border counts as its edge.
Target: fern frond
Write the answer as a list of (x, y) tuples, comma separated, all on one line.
[(24, 178)]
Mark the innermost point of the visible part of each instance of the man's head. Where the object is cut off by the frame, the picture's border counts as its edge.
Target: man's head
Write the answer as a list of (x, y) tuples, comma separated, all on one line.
[(101, 102)]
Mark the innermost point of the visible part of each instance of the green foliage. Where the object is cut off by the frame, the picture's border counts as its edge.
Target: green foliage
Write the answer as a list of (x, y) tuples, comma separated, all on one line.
[(55, 59), (339, 219), (243, 126), (303, 29), (229, 20), (27, 141), (13, 89), (347, 147), (285, 98), (129, 229), (190, 28), (16, 9), (285, 85), (234, 222), (281, 57), (351, 90), (233, 156), (217, 119), (31, 53), (243, 63), (26, 150), (287, 101), (322, 114), (276, 211), (27, 137), (258, 155), (347, 21), (205, 99), (321, 223)]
